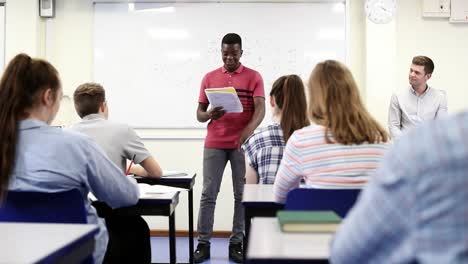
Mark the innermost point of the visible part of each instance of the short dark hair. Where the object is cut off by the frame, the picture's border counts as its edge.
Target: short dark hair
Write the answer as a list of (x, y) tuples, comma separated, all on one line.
[(424, 61), (88, 97), (232, 38)]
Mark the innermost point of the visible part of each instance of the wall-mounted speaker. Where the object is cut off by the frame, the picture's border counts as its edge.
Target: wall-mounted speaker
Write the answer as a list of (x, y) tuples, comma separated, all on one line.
[(46, 8)]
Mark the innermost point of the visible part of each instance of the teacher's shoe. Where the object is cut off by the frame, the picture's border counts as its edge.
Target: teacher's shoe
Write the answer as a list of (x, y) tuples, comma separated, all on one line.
[(202, 253), (236, 252)]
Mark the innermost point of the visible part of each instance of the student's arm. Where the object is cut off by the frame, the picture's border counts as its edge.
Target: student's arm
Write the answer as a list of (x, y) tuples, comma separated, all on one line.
[(381, 217), (203, 115), (250, 149), (137, 170), (442, 111), (107, 181), (151, 168), (289, 172), (376, 221), (147, 168), (257, 118), (394, 117), (134, 147), (251, 176)]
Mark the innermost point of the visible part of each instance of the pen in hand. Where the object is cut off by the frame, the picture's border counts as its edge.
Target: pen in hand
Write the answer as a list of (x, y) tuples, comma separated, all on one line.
[(130, 166)]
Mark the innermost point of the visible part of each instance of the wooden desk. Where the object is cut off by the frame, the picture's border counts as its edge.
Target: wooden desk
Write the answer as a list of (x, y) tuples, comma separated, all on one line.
[(267, 244), (161, 204), (185, 182), (258, 200), (46, 243)]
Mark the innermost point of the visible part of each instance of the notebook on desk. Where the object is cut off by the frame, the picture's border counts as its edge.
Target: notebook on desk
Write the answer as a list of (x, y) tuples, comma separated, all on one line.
[(308, 221)]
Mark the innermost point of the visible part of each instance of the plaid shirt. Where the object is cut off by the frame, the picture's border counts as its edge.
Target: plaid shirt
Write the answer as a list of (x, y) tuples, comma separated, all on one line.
[(264, 151), (415, 208)]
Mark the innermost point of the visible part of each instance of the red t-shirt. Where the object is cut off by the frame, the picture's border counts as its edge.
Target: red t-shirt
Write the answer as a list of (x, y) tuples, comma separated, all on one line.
[(224, 133)]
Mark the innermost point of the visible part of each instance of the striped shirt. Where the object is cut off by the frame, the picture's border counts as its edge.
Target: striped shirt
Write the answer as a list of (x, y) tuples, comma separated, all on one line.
[(415, 208), (322, 165), (264, 151)]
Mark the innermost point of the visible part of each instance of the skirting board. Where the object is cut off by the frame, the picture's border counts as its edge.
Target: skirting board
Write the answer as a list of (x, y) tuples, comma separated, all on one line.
[(185, 233)]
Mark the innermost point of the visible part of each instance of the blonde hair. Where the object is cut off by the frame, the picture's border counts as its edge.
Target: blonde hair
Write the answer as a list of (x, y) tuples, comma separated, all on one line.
[(336, 104)]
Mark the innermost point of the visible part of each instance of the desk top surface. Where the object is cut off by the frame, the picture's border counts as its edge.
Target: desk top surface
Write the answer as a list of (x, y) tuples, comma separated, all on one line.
[(31, 242), (258, 193), (267, 242), (185, 181)]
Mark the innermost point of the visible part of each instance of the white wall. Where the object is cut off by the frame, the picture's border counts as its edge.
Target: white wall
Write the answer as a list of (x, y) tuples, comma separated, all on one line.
[(379, 56), (24, 30), (391, 47), (445, 43)]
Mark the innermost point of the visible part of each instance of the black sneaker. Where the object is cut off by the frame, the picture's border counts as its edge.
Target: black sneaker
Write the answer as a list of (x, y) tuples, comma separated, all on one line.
[(202, 253), (236, 253)]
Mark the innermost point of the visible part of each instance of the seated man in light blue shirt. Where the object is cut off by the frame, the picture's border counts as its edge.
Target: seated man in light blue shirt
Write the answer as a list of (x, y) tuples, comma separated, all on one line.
[(37, 157), (417, 103), (414, 209)]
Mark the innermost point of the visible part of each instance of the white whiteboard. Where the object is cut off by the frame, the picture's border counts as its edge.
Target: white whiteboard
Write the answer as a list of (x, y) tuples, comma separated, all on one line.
[(151, 57), (2, 36)]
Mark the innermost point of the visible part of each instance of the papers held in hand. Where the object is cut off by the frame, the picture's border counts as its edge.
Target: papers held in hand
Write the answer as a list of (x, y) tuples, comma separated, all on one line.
[(225, 97), (308, 221)]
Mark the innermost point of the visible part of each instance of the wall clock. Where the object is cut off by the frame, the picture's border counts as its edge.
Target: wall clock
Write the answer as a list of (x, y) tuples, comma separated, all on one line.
[(380, 11)]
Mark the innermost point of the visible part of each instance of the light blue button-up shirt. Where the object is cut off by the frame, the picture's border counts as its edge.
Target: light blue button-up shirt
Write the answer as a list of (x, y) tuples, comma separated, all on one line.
[(49, 159), (415, 206), (408, 109)]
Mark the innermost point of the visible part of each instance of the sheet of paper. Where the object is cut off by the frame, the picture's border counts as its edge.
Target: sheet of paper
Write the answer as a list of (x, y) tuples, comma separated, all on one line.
[(225, 97), (169, 173), (146, 190)]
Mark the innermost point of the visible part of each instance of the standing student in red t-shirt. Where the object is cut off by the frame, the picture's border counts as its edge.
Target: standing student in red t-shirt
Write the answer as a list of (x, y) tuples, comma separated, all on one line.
[(226, 133)]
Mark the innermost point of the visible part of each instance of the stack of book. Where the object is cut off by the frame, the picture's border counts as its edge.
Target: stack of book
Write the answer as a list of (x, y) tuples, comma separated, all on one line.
[(308, 221)]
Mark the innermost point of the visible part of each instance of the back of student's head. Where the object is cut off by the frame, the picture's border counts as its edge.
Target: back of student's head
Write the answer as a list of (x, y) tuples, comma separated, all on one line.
[(21, 88), (88, 98), (231, 39), (336, 104), (289, 94), (424, 61)]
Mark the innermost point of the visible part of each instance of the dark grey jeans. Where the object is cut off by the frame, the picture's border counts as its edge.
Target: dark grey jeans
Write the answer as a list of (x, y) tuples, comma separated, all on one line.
[(214, 163)]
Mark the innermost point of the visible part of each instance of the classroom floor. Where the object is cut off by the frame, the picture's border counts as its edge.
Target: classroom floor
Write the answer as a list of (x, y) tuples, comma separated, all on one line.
[(160, 250)]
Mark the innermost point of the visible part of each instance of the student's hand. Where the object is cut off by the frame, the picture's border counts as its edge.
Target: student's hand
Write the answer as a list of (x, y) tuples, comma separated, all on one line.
[(216, 113), (137, 170)]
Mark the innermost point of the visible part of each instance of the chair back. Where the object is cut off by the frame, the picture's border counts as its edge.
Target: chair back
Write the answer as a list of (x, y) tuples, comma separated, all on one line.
[(338, 200), (59, 207)]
